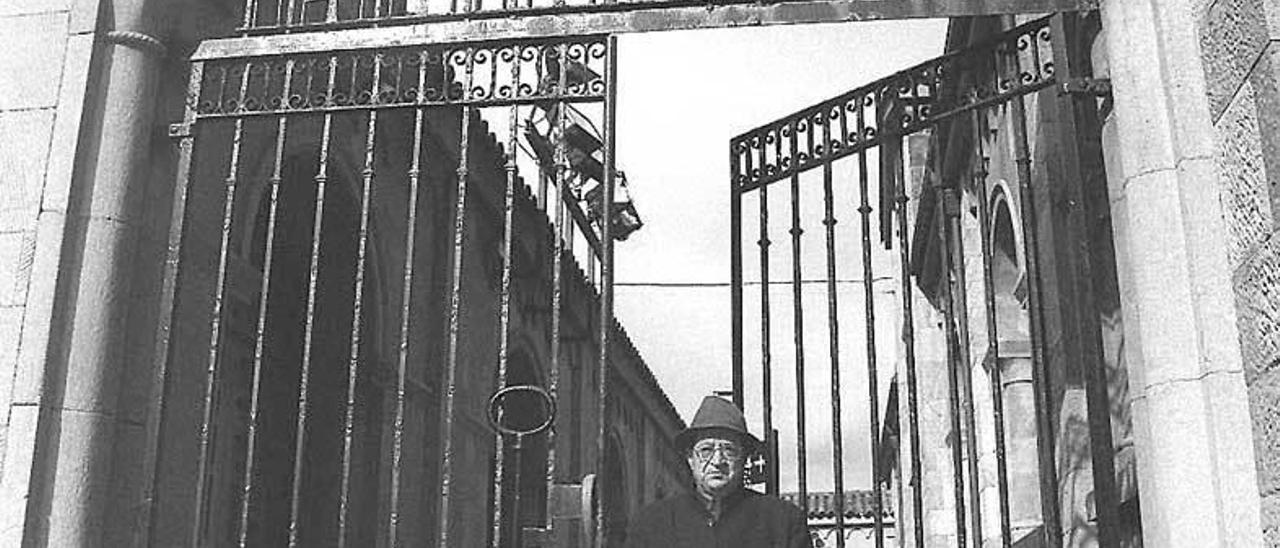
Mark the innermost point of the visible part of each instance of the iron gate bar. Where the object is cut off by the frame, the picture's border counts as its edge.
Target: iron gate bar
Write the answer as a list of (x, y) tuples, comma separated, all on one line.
[(797, 308), (1040, 374), (300, 435), (264, 292), (993, 342), (357, 305), (1074, 112), (559, 222), (954, 237), (953, 380), (606, 272), (868, 288), (607, 17), (455, 303), (172, 278), (997, 87), (215, 327), (833, 333), (766, 355), (504, 318), (909, 345), (735, 280), (406, 292)]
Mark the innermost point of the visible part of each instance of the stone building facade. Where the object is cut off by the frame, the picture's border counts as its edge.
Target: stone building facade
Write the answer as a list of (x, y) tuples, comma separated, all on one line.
[(88, 88)]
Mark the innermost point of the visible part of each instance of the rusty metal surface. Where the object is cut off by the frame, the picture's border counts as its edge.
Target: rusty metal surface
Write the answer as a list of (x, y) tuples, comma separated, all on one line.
[(610, 17)]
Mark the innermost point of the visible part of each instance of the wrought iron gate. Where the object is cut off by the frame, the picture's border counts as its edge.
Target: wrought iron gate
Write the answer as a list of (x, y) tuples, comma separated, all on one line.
[(314, 187), (957, 102)]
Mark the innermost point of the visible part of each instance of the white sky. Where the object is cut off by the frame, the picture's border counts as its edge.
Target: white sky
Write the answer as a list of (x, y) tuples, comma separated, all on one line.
[(682, 96)]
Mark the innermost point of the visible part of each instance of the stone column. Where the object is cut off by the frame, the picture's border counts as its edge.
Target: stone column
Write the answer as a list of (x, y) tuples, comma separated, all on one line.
[(1196, 464), (75, 386)]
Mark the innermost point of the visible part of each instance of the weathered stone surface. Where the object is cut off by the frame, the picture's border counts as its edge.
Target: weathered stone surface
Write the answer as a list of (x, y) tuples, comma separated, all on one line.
[(16, 256), (1232, 35), (27, 7), (1264, 407), (1231, 437), (31, 69), (10, 333), (1245, 200), (1271, 520), (24, 149), (1266, 89), (1258, 306)]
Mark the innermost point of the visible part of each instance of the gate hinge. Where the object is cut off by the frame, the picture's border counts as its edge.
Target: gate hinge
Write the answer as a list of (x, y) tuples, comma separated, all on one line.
[(1095, 87), (179, 130)]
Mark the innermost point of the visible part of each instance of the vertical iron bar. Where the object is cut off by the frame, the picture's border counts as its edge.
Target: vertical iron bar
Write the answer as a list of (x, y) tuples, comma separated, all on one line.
[(215, 328), (250, 13), (517, 448), (264, 292), (504, 320), (797, 308), (288, 19), (455, 304), (1040, 377), (833, 332), (735, 273), (868, 289), (909, 344), (606, 272), (357, 308), (993, 342), (553, 372), (953, 233), (300, 436), (558, 222), (1075, 113), (331, 13), (170, 283), (406, 289), (766, 357), (953, 380)]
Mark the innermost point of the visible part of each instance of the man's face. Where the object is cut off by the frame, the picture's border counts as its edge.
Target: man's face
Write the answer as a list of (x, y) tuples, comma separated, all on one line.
[(716, 461)]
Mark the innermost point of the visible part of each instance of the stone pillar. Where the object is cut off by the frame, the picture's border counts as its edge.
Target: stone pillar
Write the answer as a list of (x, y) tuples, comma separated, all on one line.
[(1196, 465), (75, 385)]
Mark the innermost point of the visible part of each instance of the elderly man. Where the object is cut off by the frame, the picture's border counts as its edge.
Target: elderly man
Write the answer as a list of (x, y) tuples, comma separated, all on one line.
[(720, 512)]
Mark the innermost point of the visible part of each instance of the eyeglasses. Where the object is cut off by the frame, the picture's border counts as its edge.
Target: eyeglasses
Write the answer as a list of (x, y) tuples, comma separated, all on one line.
[(705, 452)]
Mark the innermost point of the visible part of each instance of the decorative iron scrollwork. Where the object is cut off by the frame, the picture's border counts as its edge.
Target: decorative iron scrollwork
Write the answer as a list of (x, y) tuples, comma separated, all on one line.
[(1017, 62), (479, 74)]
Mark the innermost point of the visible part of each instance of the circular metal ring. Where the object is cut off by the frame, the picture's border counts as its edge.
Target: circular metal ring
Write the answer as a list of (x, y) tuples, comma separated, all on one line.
[(549, 404)]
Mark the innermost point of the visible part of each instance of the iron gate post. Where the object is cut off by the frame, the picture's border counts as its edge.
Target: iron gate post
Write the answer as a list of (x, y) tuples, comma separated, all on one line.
[(1077, 114), (1045, 431)]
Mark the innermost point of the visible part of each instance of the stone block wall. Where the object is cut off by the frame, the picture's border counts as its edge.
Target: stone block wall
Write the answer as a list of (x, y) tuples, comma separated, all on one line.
[(43, 77), (1240, 40)]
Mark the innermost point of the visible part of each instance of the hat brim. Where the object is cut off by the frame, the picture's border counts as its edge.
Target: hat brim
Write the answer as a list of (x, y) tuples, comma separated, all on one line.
[(686, 438)]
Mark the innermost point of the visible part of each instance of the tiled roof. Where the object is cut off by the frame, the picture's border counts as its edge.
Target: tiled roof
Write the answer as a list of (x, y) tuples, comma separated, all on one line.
[(857, 504)]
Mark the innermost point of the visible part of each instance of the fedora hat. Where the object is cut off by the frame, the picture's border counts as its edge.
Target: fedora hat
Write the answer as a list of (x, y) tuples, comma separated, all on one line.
[(716, 413)]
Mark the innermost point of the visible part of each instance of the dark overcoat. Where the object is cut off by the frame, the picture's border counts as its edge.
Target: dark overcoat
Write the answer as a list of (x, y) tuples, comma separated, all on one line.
[(747, 520)]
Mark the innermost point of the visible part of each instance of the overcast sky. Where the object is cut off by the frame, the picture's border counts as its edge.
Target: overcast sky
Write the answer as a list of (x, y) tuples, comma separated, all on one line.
[(682, 96)]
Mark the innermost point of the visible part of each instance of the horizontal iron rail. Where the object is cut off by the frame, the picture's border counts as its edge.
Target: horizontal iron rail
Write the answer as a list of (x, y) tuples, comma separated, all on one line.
[(605, 17), (392, 106)]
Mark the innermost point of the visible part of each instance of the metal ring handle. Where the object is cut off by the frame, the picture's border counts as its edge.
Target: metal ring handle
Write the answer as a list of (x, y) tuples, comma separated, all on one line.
[(549, 404)]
